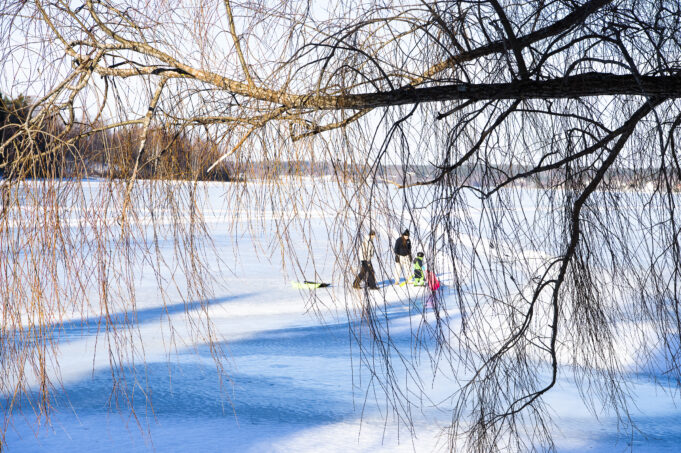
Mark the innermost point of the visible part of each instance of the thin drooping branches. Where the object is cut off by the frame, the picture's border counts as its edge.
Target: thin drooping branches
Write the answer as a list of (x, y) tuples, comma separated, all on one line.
[(531, 147)]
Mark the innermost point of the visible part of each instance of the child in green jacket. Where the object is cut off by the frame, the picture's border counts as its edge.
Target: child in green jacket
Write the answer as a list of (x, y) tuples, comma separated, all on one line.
[(419, 272)]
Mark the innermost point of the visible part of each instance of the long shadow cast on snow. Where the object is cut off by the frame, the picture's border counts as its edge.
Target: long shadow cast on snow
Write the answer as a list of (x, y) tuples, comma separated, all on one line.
[(284, 380), (188, 394), (77, 328)]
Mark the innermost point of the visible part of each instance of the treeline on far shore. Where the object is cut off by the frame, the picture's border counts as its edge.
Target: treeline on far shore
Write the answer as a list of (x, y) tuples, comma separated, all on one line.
[(49, 149)]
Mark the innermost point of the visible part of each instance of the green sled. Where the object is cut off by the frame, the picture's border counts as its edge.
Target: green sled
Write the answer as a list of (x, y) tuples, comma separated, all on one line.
[(309, 285)]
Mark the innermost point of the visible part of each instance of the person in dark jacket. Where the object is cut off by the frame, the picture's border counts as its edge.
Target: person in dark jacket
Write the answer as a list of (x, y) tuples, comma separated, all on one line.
[(366, 273), (403, 257)]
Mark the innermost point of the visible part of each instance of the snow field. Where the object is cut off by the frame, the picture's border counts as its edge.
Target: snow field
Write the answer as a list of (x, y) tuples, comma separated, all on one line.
[(294, 379)]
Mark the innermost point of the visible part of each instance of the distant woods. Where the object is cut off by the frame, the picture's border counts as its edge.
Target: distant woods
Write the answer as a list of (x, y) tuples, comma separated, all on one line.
[(50, 150), (25, 155), (87, 150)]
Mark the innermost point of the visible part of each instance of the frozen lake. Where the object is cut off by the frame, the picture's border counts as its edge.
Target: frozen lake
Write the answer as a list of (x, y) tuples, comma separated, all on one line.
[(292, 381)]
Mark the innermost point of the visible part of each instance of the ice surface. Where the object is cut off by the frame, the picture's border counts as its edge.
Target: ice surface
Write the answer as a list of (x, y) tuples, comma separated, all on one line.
[(293, 381)]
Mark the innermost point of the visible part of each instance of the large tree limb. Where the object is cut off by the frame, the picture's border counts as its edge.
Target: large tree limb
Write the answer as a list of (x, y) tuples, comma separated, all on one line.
[(581, 85), (576, 17), (176, 68), (237, 44)]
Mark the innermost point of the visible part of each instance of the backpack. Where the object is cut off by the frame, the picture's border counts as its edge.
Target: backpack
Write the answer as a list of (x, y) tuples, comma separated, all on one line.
[(433, 282)]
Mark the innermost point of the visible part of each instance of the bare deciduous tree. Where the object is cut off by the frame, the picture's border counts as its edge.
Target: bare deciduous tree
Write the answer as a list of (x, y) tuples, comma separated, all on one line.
[(460, 104)]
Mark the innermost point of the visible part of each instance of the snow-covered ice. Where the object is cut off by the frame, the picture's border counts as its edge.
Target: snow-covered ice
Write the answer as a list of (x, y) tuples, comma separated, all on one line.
[(292, 383)]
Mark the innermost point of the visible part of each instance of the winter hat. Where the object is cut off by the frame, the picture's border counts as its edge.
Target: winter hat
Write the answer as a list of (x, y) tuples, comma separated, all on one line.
[(420, 254), (405, 233)]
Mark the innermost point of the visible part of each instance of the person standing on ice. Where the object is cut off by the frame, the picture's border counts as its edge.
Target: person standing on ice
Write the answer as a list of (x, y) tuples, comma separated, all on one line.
[(419, 271), (403, 257), (366, 253)]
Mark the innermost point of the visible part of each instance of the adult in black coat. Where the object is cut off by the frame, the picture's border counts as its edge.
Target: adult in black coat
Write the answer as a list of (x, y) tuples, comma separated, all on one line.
[(403, 257)]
